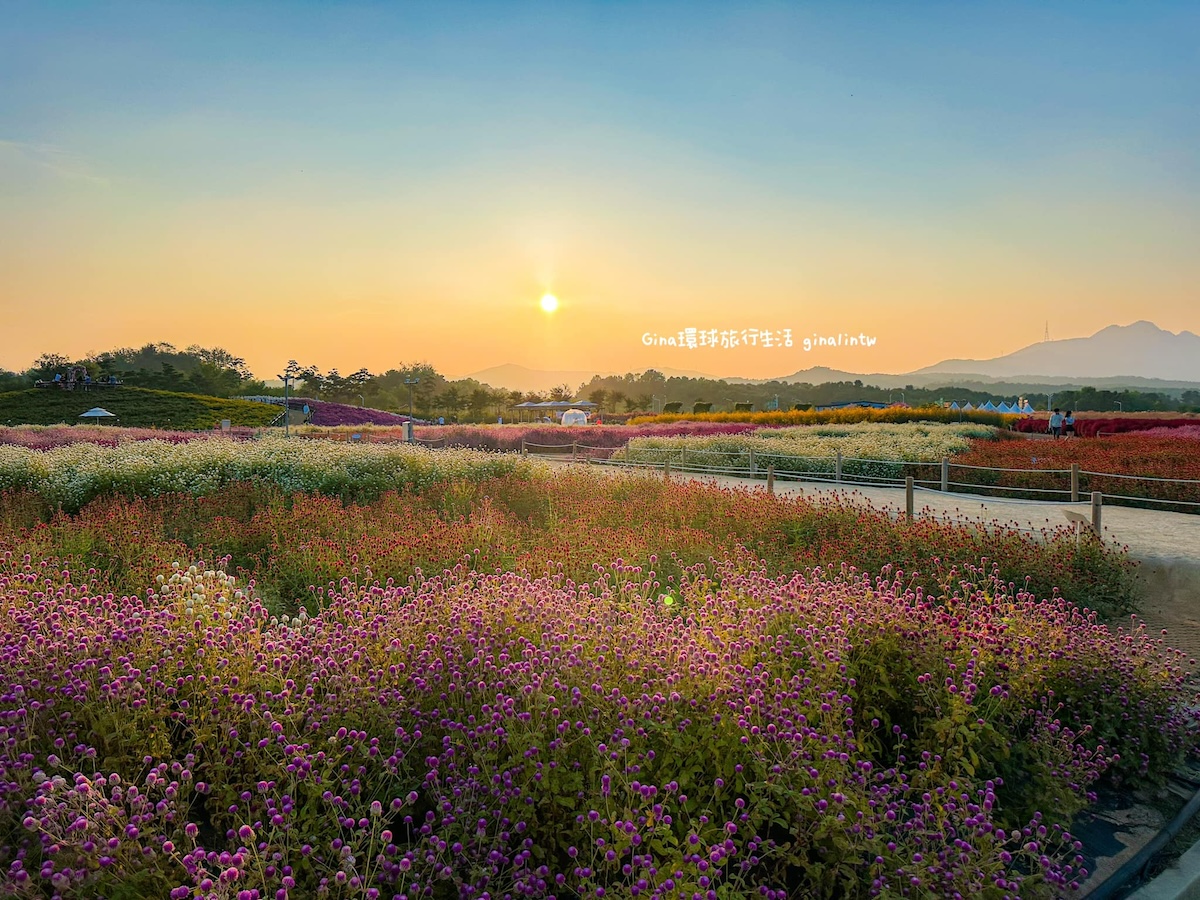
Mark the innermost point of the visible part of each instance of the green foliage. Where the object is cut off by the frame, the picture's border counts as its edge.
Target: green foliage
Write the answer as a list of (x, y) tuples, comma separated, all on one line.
[(133, 407)]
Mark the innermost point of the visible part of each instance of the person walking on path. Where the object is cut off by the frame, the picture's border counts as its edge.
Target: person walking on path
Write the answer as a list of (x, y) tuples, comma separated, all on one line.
[(1056, 423), (1069, 424)]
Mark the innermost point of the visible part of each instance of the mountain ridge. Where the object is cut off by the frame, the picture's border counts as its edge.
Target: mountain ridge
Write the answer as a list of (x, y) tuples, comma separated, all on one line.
[(1163, 360)]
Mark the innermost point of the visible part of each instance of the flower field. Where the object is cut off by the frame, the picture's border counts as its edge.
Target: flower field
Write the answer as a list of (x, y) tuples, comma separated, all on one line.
[(893, 415), (309, 669), (872, 450), (334, 415), (534, 520), (1092, 424), (73, 474), (47, 437), (491, 735), (1158, 455), (508, 438)]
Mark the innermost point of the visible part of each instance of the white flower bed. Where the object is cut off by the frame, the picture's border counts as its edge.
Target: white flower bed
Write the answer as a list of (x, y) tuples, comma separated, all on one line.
[(869, 450), (72, 475)]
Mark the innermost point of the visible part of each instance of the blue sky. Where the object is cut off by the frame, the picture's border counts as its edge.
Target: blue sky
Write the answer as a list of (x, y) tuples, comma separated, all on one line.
[(655, 164)]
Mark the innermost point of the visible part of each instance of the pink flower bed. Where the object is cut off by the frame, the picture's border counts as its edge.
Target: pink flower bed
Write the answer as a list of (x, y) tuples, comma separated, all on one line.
[(47, 437), (1185, 431), (334, 414), (605, 437)]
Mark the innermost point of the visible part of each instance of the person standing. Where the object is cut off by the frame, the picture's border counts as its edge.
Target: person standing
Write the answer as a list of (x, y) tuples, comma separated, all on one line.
[(1056, 423), (1069, 424)]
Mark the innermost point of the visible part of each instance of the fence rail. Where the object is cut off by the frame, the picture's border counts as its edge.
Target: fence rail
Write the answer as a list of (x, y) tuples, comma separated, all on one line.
[(841, 470), (852, 471)]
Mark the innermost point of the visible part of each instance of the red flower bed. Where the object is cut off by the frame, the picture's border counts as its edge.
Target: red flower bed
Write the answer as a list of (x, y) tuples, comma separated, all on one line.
[(1090, 425), (1146, 457)]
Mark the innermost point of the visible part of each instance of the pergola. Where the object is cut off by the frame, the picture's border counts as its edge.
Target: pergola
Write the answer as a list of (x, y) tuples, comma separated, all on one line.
[(550, 407)]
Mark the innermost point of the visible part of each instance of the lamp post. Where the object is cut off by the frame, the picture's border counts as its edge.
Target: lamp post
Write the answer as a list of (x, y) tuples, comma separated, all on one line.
[(1120, 408), (286, 378), (410, 382), (903, 399)]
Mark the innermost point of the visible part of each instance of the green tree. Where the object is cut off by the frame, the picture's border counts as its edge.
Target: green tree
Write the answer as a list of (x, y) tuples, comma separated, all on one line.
[(600, 398), (450, 401), (478, 401), (46, 366)]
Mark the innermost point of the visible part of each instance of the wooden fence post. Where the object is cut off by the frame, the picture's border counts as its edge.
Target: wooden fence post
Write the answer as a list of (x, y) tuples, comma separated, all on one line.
[(770, 479), (1097, 507), (753, 467), (945, 475), (908, 498), (523, 451), (667, 470), (574, 450), (837, 468), (1074, 482)]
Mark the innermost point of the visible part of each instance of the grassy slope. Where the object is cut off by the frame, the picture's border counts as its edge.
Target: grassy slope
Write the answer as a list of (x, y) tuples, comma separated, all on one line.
[(135, 407)]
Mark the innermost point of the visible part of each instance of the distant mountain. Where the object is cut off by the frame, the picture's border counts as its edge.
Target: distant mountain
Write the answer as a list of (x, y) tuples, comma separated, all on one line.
[(1140, 356), (1016, 384), (522, 378), (1141, 350)]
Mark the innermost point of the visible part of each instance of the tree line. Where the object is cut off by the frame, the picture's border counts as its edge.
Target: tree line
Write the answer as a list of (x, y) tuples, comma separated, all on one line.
[(219, 373), (653, 390)]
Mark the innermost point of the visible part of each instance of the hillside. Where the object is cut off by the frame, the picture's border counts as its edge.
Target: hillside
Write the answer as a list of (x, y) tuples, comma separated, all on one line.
[(134, 407)]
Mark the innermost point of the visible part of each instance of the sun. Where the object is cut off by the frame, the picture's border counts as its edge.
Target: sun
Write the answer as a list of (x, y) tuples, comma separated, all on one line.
[(549, 303)]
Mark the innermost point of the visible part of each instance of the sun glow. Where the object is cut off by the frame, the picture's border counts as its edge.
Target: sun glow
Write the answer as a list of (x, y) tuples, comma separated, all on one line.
[(549, 303)]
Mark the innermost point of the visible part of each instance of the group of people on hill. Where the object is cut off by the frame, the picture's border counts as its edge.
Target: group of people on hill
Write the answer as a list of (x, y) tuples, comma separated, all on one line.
[(1060, 425), (78, 376)]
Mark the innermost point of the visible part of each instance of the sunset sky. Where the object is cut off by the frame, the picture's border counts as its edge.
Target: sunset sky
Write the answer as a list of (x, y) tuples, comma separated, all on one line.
[(368, 184)]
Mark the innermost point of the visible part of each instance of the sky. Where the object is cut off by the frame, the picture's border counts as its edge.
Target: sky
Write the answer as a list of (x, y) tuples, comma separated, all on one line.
[(370, 184)]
